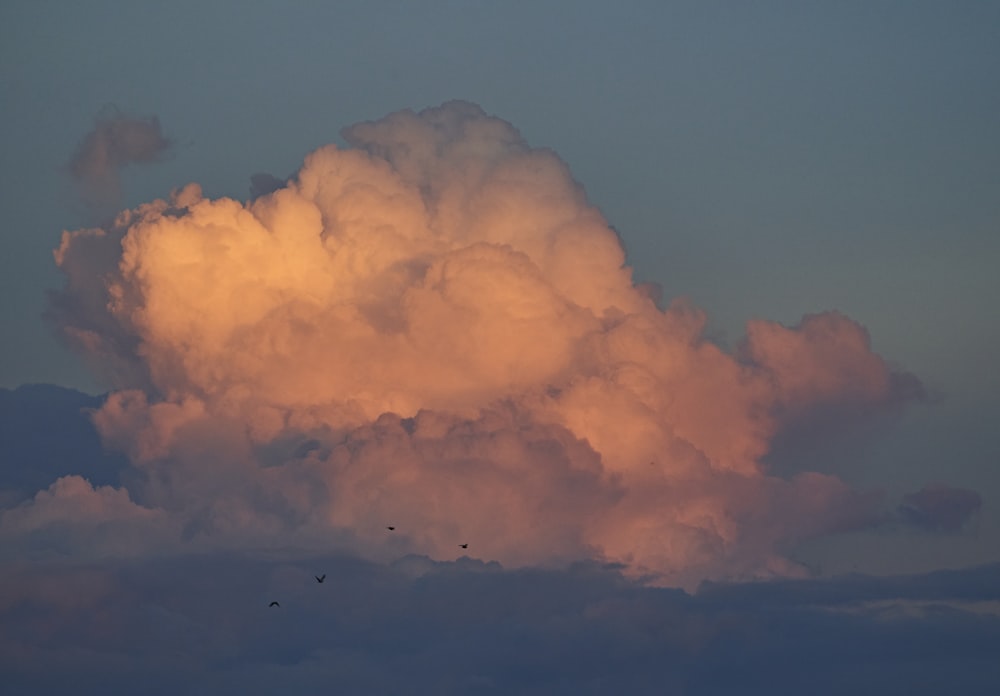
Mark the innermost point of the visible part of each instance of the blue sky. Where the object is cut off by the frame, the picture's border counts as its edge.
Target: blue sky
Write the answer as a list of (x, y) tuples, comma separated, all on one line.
[(766, 161)]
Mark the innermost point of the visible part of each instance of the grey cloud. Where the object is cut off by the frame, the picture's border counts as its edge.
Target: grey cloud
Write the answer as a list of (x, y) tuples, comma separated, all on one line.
[(940, 508), (116, 141), (979, 584), (200, 624)]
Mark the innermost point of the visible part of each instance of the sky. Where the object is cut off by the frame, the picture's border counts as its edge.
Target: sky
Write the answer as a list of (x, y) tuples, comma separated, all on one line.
[(680, 315)]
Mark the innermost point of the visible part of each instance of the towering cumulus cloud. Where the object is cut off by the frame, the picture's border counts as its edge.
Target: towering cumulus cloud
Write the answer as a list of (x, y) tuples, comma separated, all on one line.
[(433, 329)]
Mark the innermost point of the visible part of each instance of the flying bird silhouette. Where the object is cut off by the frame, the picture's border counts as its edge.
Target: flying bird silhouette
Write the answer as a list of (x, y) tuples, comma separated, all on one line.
[(464, 546), (320, 578), (390, 528), (274, 604)]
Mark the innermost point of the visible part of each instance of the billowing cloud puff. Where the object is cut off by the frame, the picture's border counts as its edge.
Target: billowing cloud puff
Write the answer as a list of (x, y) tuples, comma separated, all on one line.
[(434, 329), (117, 140), (72, 517)]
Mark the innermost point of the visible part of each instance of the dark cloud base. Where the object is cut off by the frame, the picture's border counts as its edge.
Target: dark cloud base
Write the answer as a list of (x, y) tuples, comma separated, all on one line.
[(46, 433), (202, 625)]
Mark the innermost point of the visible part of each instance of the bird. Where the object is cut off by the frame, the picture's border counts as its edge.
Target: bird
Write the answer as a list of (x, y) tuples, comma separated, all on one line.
[(320, 578), (274, 604), (464, 546), (390, 528)]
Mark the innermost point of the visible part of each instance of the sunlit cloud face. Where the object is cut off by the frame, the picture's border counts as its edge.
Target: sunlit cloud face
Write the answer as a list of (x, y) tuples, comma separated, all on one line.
[(434, 329)]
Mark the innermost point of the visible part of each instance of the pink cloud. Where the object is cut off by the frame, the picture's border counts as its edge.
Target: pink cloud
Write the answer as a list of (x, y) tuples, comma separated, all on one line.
[(72, 517)]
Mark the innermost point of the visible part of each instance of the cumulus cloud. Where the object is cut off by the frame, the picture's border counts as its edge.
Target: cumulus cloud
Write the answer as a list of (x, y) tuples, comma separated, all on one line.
[(433, 328), (116, 141), (74, 518)]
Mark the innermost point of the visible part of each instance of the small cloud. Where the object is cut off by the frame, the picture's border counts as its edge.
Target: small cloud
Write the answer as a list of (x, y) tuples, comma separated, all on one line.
[(940, 508), (116, 140)]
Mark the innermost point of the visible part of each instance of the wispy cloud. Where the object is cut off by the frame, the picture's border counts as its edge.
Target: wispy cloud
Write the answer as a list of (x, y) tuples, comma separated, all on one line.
[(116, 141)]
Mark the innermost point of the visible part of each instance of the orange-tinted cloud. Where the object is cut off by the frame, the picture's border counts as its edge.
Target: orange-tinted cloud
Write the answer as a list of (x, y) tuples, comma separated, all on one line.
[(72, 517), (436, 328)]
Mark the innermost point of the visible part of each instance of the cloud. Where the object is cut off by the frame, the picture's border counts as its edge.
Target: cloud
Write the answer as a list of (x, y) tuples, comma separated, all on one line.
[(835, 394), (200, 624), (434, 328), (940, 508), (116, 141), (74, 518), (824, 362)]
